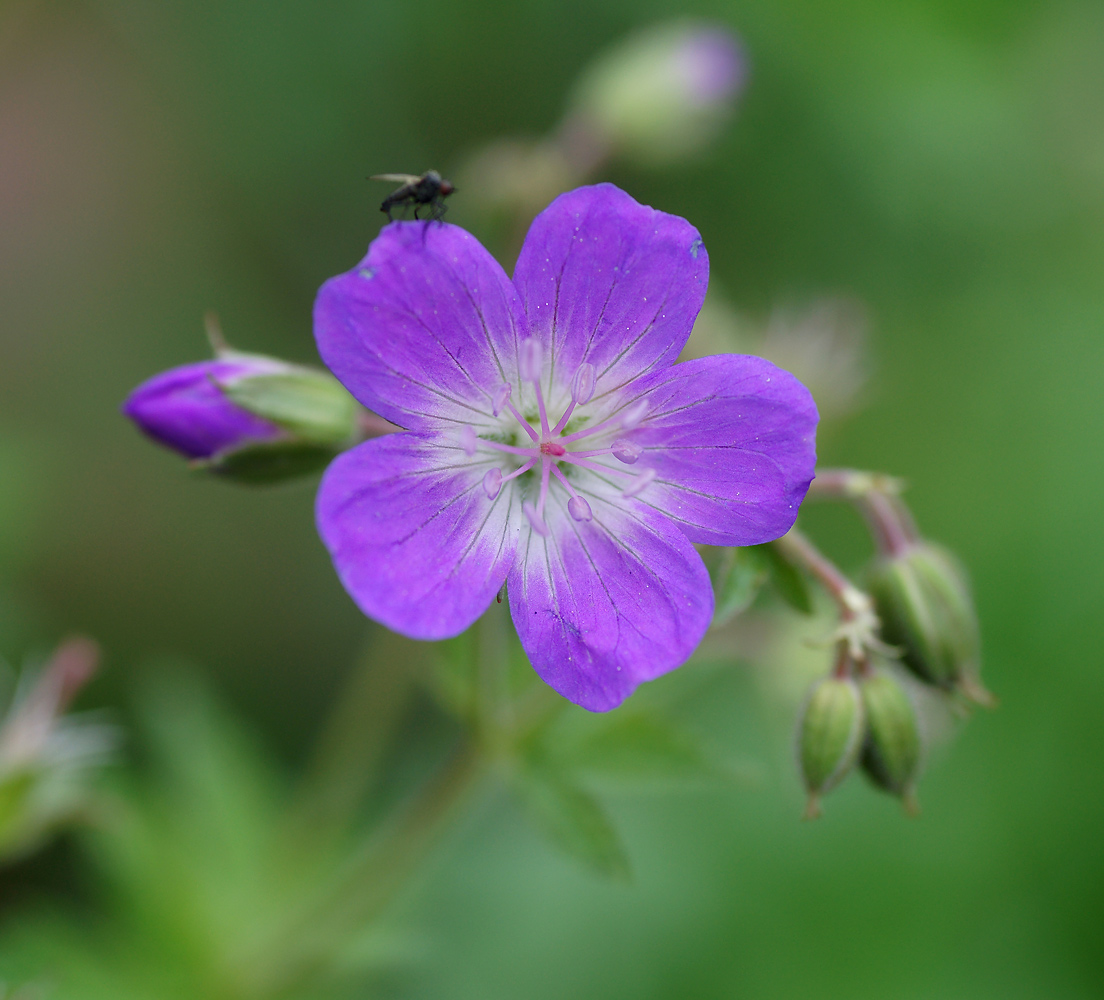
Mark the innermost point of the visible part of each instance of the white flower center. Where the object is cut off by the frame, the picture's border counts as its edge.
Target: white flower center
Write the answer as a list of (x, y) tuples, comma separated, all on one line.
[(548, 446)]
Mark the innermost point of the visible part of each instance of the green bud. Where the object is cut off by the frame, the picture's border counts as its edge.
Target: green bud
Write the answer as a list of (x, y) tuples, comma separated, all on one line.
[(923, 600), (891, 751), (829, 737)]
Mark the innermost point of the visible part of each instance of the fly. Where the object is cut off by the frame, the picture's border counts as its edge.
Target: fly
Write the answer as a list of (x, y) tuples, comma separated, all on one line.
[(417, 190)]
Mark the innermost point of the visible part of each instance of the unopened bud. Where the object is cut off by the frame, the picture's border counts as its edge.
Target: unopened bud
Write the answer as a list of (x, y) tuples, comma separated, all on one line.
[(662, 94), (923, 600), (830, 735), (247, 417), (891, 750)]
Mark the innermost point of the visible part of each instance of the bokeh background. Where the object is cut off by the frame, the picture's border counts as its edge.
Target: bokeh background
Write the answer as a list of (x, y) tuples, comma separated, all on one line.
[(941, 162)]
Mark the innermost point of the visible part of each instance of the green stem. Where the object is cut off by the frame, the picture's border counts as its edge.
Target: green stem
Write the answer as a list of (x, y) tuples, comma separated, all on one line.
[(878, 498), (361, 888), (346, 762)]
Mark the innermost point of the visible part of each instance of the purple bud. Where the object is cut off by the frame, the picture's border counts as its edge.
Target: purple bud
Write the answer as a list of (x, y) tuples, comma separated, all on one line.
[(185, 408)]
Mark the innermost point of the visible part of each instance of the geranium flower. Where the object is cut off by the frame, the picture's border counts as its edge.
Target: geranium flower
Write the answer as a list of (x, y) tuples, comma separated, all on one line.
[(550, 441)]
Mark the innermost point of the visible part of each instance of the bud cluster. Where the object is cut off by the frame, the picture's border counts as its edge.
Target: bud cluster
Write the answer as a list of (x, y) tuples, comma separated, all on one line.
[(860, 715), (917, 612)]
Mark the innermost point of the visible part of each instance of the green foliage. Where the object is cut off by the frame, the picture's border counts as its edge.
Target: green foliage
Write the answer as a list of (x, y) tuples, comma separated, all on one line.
[(787, 579), (737, 574), (573, 820)]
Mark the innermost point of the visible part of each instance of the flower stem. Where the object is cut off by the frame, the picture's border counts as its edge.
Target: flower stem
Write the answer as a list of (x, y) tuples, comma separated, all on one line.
[(357, 891), (878, 498), (859, 625)]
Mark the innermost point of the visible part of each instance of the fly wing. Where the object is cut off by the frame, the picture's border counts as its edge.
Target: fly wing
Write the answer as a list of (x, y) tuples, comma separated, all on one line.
[(396, 178)]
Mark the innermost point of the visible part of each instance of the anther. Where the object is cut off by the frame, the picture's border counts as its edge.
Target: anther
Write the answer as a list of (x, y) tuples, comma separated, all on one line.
[(492, 483), (582, 384), (626, 451), (634, 414), (530, 358), (498, 400), (579, 509), (535, 519), (469, 440), (638, 484), (553, 448)]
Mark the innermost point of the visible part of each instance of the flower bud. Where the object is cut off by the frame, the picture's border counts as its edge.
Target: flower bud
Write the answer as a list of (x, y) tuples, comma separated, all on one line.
[(246, 416), (923, 600), (662, 94), (891, 751), (830, 734)]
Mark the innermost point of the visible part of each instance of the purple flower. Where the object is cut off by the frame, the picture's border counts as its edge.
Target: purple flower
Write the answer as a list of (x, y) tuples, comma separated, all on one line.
[(187, 410), (550, 440)]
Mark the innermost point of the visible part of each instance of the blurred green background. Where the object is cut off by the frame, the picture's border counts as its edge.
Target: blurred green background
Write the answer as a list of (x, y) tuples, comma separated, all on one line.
[(941, 161)]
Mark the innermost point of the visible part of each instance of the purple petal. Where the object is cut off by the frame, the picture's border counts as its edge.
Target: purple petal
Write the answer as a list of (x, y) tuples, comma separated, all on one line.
[(733, 440), (413, 535), (426, 326), (604, 604), (185, 409), (607, 280)]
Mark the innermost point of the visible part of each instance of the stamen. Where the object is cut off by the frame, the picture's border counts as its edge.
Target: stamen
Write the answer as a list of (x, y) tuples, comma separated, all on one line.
[(535, 519), (582, 384), (574, 459), (469, 440), (639, 483), (498, 400), (517, 472), (579, 509), (530, 357), (626, 419), (546, 466), (582, 388), (492, 483), (508, 448), (626, 451), (521, 420), (577, 506)]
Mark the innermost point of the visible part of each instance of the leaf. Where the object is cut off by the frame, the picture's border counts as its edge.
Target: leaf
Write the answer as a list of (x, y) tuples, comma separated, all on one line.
[(737, 578), (787, 580), (641, 746), (573, 820)]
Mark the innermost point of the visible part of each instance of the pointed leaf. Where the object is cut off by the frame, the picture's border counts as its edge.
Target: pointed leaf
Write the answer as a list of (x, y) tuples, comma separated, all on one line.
[(573, 820), (737, 578), (787, 580)]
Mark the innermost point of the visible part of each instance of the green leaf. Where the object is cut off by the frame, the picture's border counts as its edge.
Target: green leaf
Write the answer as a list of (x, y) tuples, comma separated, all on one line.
[(737, 578), (787, 579), (640, 746), (573, 820)]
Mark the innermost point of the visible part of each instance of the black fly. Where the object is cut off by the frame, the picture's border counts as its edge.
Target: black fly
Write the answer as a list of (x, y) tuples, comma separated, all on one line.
[(427, 189)]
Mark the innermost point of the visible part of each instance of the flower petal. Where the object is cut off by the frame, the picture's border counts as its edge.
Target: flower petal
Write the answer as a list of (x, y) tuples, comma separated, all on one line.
[(426, 326), (607, 280), (733, 441), (413, 536), (604, 604)]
